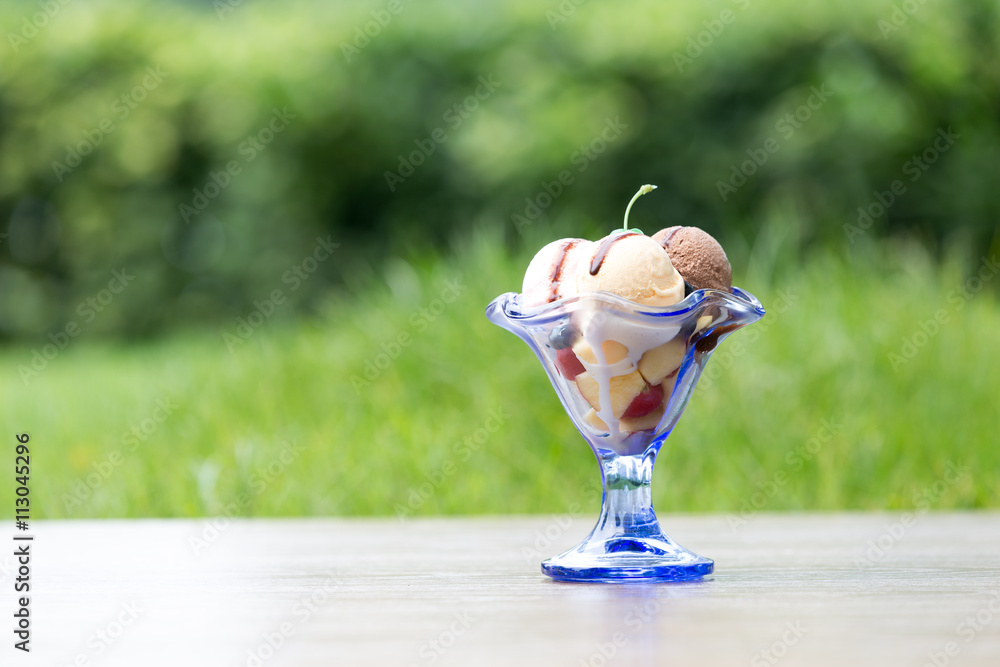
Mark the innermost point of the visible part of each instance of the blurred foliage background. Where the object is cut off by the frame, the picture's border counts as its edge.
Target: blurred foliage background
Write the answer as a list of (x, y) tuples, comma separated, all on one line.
[(844, 150)]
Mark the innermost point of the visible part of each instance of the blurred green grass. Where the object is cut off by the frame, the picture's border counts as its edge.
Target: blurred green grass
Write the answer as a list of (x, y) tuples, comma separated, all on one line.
[(819, 358), (691, 128)]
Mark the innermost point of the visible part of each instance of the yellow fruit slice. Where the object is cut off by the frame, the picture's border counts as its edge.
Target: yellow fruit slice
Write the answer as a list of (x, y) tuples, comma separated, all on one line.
[(643, 423), (613, 351), (661, 361), (593, 420), (624, 388)]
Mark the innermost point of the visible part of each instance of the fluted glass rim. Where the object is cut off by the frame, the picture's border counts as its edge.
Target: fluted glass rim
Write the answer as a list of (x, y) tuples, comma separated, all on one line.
[(554, 310)]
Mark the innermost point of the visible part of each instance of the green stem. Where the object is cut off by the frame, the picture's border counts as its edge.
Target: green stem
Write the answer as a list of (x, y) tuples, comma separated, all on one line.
[(643, 190)]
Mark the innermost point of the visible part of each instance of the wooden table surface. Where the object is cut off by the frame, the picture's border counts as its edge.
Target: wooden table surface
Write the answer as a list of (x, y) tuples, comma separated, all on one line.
[(789, 589)]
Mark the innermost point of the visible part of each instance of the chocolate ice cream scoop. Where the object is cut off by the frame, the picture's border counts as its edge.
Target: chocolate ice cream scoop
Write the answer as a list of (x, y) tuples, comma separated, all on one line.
[(697, 257)]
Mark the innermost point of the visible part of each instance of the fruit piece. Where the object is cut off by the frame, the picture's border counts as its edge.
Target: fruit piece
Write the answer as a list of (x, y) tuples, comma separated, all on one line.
[(563, 336), (668, 385), (650, 398), (568, 364), (624, 389), (613, 351), (644, 423), (593, 420), (661, 361), (651, 420)]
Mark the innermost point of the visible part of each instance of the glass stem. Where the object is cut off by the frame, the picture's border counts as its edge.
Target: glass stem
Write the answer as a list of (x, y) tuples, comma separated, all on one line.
[(627, 506)]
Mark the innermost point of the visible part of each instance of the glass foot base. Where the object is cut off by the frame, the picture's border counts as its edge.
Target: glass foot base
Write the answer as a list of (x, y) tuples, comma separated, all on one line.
[(628, 560)]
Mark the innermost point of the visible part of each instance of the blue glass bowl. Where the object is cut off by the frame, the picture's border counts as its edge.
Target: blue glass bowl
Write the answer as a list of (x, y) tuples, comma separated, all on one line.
[(620, 346)]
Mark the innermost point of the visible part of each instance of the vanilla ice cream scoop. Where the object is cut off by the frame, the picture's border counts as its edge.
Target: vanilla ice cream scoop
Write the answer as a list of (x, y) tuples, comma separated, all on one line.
[(633, 266), (551, 275)]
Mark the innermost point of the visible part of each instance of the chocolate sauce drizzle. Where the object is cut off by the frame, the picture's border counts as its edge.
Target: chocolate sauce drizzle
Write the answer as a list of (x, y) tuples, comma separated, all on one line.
[(666, 241), (557, 271), (708, 343), (602, 250)]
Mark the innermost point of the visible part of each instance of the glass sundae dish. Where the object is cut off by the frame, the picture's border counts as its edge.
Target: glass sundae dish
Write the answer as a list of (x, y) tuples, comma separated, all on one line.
[(623, 336)]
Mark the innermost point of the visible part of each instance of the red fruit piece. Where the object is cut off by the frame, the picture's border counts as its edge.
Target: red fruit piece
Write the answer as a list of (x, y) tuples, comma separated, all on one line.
[(568, 363), (648, 400)]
